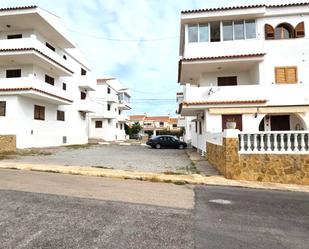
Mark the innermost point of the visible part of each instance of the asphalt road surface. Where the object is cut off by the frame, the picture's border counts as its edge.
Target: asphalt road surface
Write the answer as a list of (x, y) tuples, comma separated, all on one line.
[(44, 210)]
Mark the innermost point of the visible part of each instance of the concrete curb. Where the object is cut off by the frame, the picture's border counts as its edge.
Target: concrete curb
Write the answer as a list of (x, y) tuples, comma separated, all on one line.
[(153, 177)]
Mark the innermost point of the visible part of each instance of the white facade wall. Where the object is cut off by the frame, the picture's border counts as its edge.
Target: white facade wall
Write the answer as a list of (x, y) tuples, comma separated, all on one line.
[(255, 76)]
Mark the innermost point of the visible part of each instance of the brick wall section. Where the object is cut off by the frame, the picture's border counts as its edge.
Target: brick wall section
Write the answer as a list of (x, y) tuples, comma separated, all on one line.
[(7, 143), (280, 168)]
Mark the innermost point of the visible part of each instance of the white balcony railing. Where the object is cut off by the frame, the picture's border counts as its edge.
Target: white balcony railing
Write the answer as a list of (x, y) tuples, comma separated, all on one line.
[(281, 142), (32, 42), (86, 105), (49, 92), (275, 94), (86, 82)]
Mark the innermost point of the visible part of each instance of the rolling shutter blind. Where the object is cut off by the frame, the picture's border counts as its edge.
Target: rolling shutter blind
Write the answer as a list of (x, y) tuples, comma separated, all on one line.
[(269, 32), (300, 30), (286, 75)]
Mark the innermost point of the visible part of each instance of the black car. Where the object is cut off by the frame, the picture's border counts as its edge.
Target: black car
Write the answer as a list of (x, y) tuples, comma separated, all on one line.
[(166, 142)]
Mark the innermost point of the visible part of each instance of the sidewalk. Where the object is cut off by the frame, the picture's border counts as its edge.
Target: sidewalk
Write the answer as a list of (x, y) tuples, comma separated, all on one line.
[(153, 177)]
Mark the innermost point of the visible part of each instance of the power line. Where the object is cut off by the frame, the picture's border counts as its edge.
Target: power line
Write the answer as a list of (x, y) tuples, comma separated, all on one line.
[(125, 40)]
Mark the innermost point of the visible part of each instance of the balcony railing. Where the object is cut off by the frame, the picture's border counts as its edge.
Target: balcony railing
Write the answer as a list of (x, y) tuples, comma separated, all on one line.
[(34, 88), (284, 142), (19, 45)]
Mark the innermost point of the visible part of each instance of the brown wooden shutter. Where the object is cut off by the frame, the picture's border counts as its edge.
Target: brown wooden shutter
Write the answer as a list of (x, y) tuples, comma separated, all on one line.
[(300, 30), (280, 75), (269, 32), (291, 74), (286, 75)]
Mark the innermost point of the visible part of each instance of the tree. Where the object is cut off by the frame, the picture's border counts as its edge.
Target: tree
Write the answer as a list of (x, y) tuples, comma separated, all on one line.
[(136, 128)]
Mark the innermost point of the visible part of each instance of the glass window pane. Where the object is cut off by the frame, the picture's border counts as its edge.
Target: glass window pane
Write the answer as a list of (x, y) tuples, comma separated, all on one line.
[(250, 29), (228, 31), (204, 32), (239, 30), (192, 33), (215, 31)]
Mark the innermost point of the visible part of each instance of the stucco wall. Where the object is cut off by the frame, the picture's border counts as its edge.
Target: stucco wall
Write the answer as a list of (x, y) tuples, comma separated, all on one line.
[(7, 143), (279, 168)]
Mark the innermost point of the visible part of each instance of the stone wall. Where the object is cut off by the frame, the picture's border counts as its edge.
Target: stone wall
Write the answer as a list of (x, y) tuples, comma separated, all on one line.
[(7, 143), (280, 168)]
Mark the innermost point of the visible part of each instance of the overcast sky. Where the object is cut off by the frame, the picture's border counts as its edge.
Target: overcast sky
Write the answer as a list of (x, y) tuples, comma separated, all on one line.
[(149, 68)]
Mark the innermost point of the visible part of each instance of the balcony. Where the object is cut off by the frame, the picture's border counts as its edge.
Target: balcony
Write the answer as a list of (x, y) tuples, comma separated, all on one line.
[(86, 82), (36, 89), (32, 51), (124, 105), (122, 118), (245, 96), (85, 105)]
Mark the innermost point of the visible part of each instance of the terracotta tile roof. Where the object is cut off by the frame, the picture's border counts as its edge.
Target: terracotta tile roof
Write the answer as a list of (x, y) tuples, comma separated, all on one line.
[(33, 89), (229, 102), (173, 120), (19, 8), (158, 118), (38, 51), (223, 57), (137, 117), (245, 7)]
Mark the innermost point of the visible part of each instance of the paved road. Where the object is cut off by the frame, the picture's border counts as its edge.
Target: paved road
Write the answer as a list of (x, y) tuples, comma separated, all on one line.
[(253, 219), (138, 158), (44, 210)]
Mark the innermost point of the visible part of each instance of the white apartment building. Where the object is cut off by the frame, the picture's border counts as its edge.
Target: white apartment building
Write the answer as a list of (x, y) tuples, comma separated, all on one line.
[(44, 80), (247, 65), (112, 100)]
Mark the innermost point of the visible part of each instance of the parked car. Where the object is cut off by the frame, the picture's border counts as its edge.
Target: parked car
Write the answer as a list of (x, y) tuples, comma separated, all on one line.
[(165, 141)]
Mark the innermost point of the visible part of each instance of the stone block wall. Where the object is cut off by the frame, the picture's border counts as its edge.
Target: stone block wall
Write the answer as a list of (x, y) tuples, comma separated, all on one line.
[(279, 168), (7, 143)]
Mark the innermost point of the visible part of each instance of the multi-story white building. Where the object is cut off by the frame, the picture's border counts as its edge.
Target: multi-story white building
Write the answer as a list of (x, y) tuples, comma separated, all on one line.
[(109, 119), (246, 65), (44, 82)]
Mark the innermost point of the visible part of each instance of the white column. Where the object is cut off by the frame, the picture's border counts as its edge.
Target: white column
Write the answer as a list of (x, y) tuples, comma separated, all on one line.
[(268, 145), (296, 142), (262, 144), (289, 148), (282, 142), (242, 143), (275, 142), (255, 144), (302, 144)]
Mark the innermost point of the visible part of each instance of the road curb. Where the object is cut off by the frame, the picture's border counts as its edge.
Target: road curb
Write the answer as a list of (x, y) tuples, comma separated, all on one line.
[(153, 177)]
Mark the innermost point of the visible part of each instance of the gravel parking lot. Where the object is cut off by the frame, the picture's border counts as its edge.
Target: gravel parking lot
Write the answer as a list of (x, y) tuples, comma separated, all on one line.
[(135, 158)]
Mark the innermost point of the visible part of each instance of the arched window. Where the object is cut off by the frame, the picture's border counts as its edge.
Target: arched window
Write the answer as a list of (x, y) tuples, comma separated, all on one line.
[(284, 31)]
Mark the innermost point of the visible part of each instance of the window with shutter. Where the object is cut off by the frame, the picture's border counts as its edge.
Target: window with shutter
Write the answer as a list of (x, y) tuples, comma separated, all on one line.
[(286, 75), (300, 30), (269, 32), (2, 108), (39, 112)]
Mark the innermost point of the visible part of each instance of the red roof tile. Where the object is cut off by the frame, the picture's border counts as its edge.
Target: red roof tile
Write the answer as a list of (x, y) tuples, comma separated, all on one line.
[(158, 118), (231, 102), (245, 7), (19, 8), (33, 89), (38, 51), (137, 116)]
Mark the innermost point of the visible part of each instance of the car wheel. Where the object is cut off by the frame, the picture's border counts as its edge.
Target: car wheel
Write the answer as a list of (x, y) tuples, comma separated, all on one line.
[(158, 146), (181, 147)]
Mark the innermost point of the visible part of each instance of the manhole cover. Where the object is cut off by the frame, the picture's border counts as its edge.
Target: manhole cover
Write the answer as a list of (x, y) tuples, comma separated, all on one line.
[(221, 201)]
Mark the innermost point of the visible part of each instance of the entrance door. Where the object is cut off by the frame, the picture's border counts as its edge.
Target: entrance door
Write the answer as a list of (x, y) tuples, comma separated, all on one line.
[(280, 123), (232, 118), (227, 81)]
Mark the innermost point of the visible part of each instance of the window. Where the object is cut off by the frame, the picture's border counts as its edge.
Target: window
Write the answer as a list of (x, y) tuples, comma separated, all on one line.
[(15, 36), (269, 32), (60, 115), (83, 95), (121, 126), (161, 123), (2, 108), (64, 57), (203, 32), (83, 72), (250, 29), (98, 124), (239, 30), (300, 30), (286, 75), (64, 86), (13, 73), (50, 46), (193, 33), (195, 126), (119, 112), (39, 112), (215, 31), (117, 125), (228, 31), (174, 125), (49, 80), (108, 107), (108, 90), (284, 31), (227, 81)]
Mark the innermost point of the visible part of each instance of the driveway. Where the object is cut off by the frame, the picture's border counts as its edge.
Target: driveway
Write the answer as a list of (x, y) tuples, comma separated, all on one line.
[(138, 158)]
